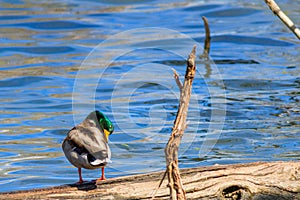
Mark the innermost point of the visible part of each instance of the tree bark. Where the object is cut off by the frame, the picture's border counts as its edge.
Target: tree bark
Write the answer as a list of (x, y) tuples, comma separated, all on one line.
[(260, 180)]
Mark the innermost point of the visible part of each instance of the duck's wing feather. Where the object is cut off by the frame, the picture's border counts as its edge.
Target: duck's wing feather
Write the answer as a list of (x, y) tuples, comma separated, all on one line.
[(91, 139)]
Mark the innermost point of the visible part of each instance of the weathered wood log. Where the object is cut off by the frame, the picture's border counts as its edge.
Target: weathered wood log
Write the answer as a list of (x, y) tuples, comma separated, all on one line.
[(260, 180)]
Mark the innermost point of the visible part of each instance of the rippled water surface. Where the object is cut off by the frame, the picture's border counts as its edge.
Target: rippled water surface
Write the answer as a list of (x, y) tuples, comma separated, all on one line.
[(52, 76)]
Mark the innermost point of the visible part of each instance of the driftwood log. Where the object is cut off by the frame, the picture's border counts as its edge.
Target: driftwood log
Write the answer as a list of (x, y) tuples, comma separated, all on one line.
[(260, 180)]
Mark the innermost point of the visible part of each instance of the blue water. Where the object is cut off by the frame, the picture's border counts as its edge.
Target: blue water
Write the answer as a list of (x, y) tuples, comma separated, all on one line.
[(62, 59)]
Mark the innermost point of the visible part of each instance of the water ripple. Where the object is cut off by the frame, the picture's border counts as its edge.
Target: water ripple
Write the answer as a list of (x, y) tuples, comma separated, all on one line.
[(22, 81), (54, 25)]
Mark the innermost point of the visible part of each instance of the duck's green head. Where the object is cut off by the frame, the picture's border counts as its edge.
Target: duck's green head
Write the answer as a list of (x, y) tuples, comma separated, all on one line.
[(105, 124)]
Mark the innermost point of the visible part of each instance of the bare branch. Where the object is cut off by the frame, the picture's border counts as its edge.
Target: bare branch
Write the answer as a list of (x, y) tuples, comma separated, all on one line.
[(176, 76), (171, 151), (283, 17)]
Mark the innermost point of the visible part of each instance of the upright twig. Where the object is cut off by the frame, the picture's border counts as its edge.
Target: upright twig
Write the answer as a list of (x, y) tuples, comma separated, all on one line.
[(207, 39), (206, 49), (283, 17), (178, 82), (171, 151)]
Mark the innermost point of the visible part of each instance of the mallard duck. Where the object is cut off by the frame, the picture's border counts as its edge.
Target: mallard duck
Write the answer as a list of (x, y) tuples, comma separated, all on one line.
[(86, 145)]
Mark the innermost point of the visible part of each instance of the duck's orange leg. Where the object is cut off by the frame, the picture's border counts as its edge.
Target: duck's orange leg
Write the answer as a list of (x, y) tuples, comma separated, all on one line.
[(102, 176), (80, 177)]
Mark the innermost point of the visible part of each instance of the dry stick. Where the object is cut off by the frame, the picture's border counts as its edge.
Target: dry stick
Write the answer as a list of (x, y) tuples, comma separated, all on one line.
[(180, 86), (283, 17), (171, 151), (157, 188), (207, 39), (176, 77)]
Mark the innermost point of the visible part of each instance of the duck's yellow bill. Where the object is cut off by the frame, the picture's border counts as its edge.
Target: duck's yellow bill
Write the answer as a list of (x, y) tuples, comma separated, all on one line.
[(107, 133)]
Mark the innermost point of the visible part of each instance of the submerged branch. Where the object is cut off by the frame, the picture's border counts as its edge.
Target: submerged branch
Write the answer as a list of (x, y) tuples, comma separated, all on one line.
[(207, 39)]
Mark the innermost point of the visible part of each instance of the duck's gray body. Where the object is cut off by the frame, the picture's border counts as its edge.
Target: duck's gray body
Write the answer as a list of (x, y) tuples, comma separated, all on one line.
[(86, 144)]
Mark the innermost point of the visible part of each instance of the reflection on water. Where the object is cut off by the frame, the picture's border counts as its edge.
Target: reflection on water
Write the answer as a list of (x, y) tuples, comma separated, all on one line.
[(44, 43)]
